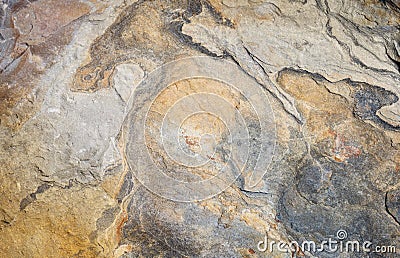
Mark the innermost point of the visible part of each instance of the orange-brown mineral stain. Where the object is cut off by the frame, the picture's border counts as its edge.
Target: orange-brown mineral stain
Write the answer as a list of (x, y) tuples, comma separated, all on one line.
[(122, 220), (341, 150), (192, 140), (251, 251)]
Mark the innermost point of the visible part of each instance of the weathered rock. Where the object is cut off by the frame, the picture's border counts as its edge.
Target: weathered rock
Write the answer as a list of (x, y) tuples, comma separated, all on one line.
[(196, 128), (34, 35)]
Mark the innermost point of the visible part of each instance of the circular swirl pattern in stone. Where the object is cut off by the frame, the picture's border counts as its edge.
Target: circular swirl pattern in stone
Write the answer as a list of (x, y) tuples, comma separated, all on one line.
[(195, 126)]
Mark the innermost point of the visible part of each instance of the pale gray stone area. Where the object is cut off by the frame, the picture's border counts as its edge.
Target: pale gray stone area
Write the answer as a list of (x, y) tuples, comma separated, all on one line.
[(314, 36)]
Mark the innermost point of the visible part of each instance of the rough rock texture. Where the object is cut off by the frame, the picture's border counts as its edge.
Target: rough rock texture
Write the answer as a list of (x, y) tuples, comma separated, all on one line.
[(194, 128)]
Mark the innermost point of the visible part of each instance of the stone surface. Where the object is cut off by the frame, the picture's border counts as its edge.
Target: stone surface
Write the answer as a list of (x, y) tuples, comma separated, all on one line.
[(196, 128), (34, 35)]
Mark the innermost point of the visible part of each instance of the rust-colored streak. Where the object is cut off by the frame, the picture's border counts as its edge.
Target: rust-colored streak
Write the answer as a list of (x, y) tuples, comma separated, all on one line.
[(122, 220)]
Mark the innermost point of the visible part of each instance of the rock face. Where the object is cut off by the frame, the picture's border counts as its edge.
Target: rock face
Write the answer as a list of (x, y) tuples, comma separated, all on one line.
[(194, 128)]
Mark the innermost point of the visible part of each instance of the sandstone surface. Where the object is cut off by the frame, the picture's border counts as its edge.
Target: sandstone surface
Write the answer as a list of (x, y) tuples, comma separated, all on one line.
[(198, 128)]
